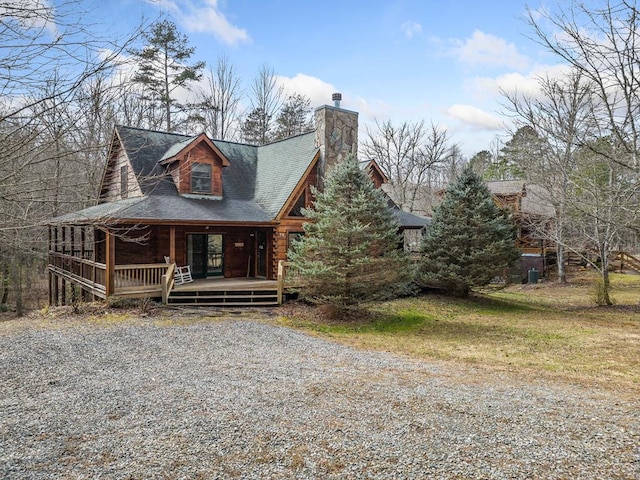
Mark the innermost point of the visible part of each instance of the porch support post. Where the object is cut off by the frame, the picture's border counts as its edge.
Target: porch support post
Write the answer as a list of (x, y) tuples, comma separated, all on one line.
[(172, 243), (94, 248), (72, 240), (83, 239), (280, 281), (51, 279), (110, 250)]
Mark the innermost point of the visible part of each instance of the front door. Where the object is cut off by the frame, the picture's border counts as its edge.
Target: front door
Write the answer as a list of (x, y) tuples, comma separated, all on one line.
[(205, 254), (261, 254)]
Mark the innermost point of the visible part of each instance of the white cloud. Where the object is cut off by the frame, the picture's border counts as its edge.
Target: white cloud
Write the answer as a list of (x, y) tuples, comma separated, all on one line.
[(31, 14), (486, 49), (475, 117), (203, 16), (318, 91), (525, 84), (411, 28)]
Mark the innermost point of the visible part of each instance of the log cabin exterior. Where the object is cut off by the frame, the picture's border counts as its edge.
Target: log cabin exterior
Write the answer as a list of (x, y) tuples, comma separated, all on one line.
[(532, 212), (227, 210)]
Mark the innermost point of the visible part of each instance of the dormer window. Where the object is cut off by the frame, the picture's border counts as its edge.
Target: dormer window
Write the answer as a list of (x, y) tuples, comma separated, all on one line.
[(201, 178)]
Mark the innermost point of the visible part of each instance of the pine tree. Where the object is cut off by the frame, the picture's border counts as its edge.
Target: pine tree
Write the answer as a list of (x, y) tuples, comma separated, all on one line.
[(162, 68), (470, 239), (349, 253), (254, 128), (294, 117)]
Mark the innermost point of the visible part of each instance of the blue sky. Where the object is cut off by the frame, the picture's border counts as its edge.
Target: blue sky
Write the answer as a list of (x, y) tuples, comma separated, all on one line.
[(441, 61)]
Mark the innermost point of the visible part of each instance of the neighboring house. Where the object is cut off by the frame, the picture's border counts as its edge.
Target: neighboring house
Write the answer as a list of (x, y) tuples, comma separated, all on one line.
[(224, 209), (532, 212), (529, 205)]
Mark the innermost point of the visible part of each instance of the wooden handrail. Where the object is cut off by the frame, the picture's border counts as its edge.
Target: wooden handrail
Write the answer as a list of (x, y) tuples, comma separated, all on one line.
[(168, 281), (127, 279), (140, 266), (73, 258), (629, 260)]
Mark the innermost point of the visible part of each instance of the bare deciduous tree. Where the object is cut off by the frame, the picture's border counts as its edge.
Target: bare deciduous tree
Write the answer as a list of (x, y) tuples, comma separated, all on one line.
[(562, 117), (218, 102), (266, 98), (409, 154), (603, 44), (47, 55)]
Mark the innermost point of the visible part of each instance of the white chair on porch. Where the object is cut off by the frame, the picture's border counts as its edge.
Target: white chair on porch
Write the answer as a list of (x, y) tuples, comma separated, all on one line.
[(181, 275)]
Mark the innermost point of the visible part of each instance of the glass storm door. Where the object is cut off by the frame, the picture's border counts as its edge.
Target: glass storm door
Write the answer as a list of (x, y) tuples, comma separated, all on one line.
[(215, 255), (261, 254), (205, 255)]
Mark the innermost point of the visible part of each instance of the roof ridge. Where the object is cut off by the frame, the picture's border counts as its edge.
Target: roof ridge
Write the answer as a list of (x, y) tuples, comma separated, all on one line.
[(164, 132), (285, 139)]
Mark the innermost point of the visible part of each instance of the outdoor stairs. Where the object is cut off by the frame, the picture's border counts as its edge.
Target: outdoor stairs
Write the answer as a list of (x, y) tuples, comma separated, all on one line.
[(224, 298), (629, 261)]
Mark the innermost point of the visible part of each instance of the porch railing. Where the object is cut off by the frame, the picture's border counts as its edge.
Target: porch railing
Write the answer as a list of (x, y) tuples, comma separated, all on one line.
[(139, 278), (168, 282), (287, 279), (87, 273), (128, 280)]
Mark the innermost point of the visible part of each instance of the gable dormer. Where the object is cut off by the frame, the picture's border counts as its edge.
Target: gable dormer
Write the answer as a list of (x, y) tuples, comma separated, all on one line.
[(376, 174), (196, 166)]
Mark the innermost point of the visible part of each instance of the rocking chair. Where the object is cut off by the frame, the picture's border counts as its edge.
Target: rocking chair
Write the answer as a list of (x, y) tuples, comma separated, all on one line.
[(181, 275)]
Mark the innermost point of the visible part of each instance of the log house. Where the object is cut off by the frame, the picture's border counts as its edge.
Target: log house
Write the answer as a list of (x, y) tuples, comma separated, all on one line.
[(227, 210)]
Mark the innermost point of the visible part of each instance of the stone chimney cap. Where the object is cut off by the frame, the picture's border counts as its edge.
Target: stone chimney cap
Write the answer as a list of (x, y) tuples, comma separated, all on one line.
[(336, 97)]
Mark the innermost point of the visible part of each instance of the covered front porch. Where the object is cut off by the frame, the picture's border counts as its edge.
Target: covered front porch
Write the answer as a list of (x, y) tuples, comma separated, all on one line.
[(229, 264)]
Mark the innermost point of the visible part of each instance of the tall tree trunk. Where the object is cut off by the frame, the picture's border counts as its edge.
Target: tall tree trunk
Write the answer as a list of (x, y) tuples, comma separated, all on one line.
[(562, 273), (604, 297), (5, 285)]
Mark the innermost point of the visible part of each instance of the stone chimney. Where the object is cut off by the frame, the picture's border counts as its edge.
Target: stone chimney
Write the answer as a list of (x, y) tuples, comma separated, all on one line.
[(336, 134)]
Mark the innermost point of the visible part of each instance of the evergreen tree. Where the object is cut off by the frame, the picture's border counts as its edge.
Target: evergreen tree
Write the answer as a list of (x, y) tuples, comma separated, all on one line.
[(254, 128), (470, 239), (294, 117), (349, 253), (162, 68)]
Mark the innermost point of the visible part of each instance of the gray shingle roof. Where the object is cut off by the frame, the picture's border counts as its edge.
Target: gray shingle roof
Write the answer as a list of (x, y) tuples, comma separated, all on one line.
[(256, 184), (145, 148), (281, 165)]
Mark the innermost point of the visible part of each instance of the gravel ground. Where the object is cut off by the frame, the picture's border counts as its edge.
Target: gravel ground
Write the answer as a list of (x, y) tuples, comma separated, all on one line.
[(245, 399)]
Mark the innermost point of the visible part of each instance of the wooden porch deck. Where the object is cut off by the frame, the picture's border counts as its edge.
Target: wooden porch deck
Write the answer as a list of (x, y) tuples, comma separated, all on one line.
[(226, 292), (230, 284), (157, 280)]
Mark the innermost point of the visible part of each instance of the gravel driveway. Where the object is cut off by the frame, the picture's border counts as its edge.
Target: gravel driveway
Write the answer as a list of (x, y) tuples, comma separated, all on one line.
[(245, 399)]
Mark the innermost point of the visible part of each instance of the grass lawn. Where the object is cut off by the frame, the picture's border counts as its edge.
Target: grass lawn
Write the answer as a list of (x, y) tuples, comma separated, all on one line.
[(545, 330)]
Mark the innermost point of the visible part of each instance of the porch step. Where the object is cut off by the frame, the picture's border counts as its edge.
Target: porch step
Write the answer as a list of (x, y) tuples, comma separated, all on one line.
[(237, 298)]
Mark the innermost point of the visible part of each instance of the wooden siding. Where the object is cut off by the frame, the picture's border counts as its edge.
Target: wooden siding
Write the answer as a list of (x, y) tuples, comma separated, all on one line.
[(511, 202), (304, 187), (281, 239), (199, 154), (239, 247), (138, 245), (111, 189)]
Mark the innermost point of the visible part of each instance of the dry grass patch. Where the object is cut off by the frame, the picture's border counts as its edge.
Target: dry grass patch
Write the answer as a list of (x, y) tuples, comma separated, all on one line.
[(547, 330)]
